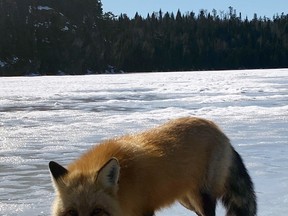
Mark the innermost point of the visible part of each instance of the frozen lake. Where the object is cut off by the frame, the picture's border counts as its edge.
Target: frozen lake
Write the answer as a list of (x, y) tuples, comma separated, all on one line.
[(58, 118)]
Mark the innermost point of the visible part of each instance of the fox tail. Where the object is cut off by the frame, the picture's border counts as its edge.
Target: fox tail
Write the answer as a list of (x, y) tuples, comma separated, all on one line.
[(239, 198)]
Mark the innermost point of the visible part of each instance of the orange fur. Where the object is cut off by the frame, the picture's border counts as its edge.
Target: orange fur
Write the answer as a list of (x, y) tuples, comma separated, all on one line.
[(173, 162)]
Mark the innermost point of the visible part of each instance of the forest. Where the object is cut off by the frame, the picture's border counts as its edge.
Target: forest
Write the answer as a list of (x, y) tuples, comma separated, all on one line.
[(58, 37)]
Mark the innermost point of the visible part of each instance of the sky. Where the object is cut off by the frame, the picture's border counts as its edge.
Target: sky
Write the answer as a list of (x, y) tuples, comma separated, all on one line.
[(247, 8)]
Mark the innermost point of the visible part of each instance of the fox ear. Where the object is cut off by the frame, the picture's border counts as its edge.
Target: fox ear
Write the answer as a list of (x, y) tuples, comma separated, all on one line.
[(108, 175), (57, 170)]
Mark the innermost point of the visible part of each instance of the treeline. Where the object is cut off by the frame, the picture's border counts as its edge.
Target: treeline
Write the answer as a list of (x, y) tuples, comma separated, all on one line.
[(51, 36), (198, 42), (76, 37)]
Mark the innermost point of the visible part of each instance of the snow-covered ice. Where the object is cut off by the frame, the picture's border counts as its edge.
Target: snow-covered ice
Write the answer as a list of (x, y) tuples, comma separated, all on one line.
[(44, 8), (58, 118)]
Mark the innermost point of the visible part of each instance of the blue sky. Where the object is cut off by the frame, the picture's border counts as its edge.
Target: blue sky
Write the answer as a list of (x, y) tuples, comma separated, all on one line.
[(262, 8)]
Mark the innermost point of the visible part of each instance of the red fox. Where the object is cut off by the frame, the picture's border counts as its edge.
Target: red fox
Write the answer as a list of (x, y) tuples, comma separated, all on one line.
[(189, 160)]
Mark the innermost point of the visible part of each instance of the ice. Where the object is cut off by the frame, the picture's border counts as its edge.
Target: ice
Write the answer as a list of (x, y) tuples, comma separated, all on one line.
[(44, 8), (58, 118)]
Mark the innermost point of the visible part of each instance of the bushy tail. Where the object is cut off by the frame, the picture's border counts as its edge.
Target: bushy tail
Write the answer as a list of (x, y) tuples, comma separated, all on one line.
[(240, 198)]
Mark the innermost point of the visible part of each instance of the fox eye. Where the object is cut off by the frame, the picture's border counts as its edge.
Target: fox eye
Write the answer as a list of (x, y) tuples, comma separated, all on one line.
[(71, 213)]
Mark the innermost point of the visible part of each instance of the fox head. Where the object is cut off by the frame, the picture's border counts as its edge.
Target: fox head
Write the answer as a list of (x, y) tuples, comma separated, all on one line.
[(86, 194)]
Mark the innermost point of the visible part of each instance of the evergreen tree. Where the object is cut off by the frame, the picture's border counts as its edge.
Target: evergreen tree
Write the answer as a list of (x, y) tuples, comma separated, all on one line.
[(75, 37)]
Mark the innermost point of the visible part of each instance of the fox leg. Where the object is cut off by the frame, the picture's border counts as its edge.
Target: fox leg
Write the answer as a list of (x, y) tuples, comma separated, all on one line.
[(186, 203), (209, 204), (149, 214), (202, 205)]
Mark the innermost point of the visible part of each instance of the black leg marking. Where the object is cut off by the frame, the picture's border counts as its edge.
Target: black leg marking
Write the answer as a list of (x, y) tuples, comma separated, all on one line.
[(209, 204), (149, 214)]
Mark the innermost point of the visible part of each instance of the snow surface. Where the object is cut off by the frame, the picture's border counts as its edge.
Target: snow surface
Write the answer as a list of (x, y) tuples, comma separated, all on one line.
[(44, 8), (58, 118)]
